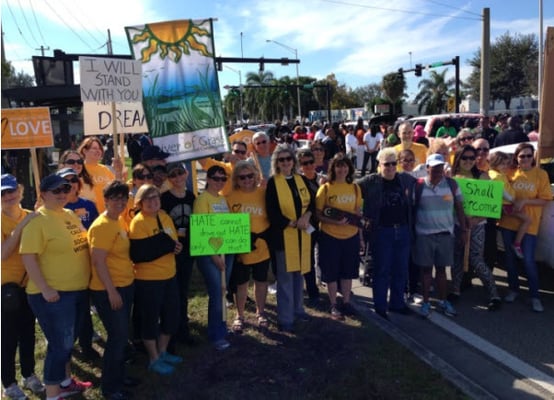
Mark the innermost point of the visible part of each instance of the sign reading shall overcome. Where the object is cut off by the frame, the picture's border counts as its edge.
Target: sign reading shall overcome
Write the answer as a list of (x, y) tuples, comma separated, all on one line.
[(220, 233), (482, 198)]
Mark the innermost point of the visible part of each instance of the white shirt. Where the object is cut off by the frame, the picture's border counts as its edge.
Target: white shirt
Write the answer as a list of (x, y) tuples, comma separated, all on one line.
[(371, 141), (351, 143)]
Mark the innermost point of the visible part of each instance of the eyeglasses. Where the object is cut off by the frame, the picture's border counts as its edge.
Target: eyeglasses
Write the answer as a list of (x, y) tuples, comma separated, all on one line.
[(73, 162), (306, 163), (390, 164), (62, 189), (74, 179), (239, 151), (466, 138), (467, 158), (525, 156), (407, 160), (247, 176), (482, 149), (260, 142), (144, 176), (218, 178), (119, 198), (8, 191), (317, 149), (176, 172), (283, 159)]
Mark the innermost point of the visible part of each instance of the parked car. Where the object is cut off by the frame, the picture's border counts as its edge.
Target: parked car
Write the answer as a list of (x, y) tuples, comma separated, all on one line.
[(433, 122)]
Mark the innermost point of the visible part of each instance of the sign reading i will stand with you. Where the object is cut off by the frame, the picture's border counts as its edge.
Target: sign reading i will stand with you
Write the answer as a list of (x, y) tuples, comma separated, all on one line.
[(108, 81), (219, 233)]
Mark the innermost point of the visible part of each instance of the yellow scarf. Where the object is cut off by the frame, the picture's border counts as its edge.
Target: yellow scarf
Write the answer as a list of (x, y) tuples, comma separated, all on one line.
[(297, 242)]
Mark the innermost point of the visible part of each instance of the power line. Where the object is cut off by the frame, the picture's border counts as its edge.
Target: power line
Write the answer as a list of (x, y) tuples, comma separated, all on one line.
[(17, 25), (454, 8), (36, 21), (66, 24), (411, 12), (26, 22), (81, 24)]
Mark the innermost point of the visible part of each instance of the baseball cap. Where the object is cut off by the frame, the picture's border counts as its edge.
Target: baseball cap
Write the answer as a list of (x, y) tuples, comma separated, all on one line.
[(434, 160), (9, 182), (154, 153), (52, 182), (66, 172)]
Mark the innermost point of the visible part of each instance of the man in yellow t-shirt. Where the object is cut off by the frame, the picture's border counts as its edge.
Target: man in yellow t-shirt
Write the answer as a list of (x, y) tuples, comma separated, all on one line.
[(406, 134)]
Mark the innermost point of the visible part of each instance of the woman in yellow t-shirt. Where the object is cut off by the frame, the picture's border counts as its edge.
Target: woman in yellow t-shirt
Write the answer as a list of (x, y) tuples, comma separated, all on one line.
[(18, 325), (111, 286), (157, 298), (54, 250), (248, 197)]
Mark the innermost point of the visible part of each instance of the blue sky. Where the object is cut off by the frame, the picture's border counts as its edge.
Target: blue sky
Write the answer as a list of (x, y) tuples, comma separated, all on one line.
[(357, 40)]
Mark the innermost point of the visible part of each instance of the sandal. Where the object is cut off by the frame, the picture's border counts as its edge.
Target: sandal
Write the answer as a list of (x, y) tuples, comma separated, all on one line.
[(263, 323), (237, 325)]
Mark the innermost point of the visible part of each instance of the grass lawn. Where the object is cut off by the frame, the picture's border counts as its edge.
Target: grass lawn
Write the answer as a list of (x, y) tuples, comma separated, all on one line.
[(324, 359)]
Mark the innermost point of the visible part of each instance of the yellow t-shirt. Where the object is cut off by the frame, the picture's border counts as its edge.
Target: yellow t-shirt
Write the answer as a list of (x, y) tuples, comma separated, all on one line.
[(343, 196), (111, 236), (419, 150), (532, 184), (254, 204), (228, 167), (101, 177), (499, 176), (60, 243), (13, 269), (142, 227), (206, 203)]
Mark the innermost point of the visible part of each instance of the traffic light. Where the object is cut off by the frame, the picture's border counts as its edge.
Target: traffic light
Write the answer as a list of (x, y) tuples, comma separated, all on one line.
[(400, 72), (418, 70)]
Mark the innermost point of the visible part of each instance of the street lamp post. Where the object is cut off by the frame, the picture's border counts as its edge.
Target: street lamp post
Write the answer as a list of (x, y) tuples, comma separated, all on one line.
[(240, 89), (295, 51)]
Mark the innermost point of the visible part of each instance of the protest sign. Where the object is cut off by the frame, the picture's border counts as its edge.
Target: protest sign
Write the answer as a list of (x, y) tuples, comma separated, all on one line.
[(482, 198), (220, 233), (24, 128), (98, 118)]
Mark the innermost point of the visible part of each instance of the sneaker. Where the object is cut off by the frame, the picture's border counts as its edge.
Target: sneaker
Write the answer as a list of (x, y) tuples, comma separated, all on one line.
[(517, 249), (272, 289), (170, 358), (510, 297), (74, 387), (14, 392), (494, 304), (222, 344), (447, 308), (160, 367), (336, 314), (33, 384), (349, 310), (537, 305), (425, 310)]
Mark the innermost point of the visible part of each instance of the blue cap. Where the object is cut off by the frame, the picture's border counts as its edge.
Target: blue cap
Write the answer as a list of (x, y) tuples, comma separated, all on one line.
[(434, 160), (52, 182), (66, 172), (8, 182)]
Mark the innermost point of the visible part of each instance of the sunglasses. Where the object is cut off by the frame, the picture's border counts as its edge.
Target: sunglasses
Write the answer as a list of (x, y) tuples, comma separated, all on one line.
[(239, 151), (390, 164), (245, 177), (73, 162), (525, 156), (317, 149), (260, 142), (218, 178), (483, 149), (283, 159), (306, 163), (144, 176), (407, 160), (466, 138), (62, 189), (176, 172), (8, 191), (73, 180), (467, 158)]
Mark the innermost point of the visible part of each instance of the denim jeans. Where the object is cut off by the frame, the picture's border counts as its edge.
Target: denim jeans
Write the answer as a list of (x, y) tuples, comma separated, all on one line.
[(116, 323), (528, 245), (60, 322), (217, 327), (391, 253), (290, 292)]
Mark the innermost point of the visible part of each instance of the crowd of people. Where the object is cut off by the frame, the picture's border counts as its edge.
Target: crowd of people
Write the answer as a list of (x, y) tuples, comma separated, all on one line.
[(124, 246)]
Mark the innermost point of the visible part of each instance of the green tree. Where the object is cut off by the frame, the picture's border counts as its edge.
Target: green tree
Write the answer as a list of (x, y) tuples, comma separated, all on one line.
[(16, 79), (257, 101), (393, 86), (433, 92), (513, 65)]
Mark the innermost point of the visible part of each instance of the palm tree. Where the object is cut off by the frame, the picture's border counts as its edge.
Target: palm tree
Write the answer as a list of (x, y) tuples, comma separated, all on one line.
[(257, 101), (433, 93)]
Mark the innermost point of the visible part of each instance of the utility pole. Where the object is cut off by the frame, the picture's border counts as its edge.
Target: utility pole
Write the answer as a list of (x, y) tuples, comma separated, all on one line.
[(484, 90), (43, 49), (109, 44), (541, 55)]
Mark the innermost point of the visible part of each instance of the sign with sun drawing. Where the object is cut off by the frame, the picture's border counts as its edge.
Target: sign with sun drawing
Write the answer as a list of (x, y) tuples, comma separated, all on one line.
[(181, 98)]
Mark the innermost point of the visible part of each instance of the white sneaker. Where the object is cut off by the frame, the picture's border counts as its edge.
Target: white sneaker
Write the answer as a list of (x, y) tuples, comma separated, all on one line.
[(272, 289), (537, 305), (511, 297), (33, 384), (14, 392)]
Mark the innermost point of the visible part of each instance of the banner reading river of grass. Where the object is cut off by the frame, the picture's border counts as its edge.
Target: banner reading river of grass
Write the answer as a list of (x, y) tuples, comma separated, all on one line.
[(482, 198), (180, 86), (223, 233)]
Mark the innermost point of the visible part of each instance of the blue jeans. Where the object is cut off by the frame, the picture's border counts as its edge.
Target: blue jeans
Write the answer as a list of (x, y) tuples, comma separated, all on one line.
[(528, 245), (217, 327), (60, 322), (391, 254), (116, 323)]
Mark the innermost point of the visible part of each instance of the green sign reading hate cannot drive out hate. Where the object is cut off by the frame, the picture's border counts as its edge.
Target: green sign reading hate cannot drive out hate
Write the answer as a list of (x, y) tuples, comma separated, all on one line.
[(482, 198), (220, 233)]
